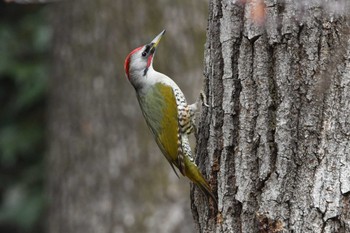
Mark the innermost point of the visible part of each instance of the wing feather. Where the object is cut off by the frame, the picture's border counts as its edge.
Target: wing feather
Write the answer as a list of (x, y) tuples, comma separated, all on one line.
[(160, 111)]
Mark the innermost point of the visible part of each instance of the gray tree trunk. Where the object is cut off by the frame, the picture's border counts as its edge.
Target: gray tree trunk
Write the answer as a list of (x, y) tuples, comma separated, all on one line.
[(277, 149), (106, 174)]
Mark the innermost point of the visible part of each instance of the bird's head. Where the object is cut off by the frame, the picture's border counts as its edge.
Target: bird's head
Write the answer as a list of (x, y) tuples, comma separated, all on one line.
[(140, 60)]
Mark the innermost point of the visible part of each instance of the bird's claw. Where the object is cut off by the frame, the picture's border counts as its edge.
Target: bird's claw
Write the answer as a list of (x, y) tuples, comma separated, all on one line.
[(204, 99)]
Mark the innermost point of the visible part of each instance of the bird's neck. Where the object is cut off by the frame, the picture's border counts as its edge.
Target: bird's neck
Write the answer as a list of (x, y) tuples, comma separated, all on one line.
[(141, 79)]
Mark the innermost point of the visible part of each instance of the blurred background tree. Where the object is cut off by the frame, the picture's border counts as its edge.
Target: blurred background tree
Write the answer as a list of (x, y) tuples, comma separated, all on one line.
[(107, 173), (104, 171)]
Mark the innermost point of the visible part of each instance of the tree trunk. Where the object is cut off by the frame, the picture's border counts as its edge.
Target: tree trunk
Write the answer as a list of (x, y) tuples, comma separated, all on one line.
[(277, 149), (106, 174)]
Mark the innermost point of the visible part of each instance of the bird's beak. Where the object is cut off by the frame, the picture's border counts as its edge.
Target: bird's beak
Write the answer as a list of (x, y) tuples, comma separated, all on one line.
[(156, 40)]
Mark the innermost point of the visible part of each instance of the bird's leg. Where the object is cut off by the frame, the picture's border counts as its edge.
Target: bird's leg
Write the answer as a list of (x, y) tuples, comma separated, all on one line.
[(194, 108)]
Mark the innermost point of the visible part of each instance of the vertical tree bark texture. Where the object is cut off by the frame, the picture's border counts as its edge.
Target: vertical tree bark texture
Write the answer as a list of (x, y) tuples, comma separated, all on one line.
[(106, 173), (278, 146)]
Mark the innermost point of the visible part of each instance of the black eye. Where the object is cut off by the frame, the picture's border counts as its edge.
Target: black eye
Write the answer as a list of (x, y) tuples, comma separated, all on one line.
[(146, 51)]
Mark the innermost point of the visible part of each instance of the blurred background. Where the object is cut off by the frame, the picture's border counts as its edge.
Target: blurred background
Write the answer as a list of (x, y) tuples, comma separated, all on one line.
[(75, 152)]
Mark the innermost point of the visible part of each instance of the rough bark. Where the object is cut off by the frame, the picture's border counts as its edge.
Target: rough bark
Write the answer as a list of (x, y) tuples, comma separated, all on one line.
[(106, 173), (277, 149)]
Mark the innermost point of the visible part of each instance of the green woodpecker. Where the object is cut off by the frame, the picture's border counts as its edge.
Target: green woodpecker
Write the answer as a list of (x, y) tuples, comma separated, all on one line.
[(166, 111)]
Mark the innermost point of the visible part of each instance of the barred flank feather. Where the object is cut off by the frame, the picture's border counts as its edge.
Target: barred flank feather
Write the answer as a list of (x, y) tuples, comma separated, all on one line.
[(180, 154)]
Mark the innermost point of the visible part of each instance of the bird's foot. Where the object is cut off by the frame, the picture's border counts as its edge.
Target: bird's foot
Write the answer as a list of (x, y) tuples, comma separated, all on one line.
[(203, 98)]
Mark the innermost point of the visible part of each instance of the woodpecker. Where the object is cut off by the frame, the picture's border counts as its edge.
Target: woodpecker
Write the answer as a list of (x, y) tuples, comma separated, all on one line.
[(166, 112)]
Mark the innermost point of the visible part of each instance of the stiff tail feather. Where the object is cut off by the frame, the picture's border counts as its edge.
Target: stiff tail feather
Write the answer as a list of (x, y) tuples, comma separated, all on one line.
[(193, 173), (191, 170), (206, 190)]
